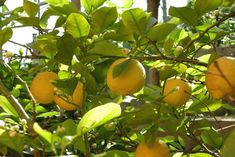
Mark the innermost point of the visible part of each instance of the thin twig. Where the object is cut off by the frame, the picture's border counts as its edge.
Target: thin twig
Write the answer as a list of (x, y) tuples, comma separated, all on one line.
[(208, 28), (211, 113), (22, 45), (172, 58), (199, 142)]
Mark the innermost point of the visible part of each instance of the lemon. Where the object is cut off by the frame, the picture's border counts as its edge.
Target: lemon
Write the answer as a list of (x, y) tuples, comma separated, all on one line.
[(73, 102), (176, 92), (131, 79), (220, 78), (41, 87), (158, 149)]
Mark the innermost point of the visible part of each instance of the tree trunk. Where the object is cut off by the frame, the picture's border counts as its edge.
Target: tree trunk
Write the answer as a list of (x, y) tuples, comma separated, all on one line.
[(77, 4), (152, 6), (153, 75), (164, 10)]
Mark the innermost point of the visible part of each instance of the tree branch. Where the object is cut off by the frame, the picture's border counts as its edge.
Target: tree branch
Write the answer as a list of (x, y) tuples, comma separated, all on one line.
[(153, 6), (14, 102)]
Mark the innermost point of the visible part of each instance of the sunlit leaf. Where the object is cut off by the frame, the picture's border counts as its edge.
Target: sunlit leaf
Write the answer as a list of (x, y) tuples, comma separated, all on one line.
[(77, 25), (91, 5), (160, 31), (105, 48), (48, 114), (58, 3), (30, 8), (104, 17), (135, 20), (7, 107), (46, 44), (43, 133), (98, 116)]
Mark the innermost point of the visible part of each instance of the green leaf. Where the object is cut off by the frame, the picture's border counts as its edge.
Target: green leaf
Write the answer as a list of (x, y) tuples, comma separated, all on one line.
[(46, 44), (125, 3), (5, 35), (199, 155), (212, 138), (228, 3), (57, 3), (143, 115), (98, 116), (7, 107), (135, 20), (91, 83), (186, 14), (16, 142), (104, 17), (106, 49), (228, 146), (121, 33), (161, 31), (60, 22), (43, 133), (30, 8), (66, 9), (77, 25), (82, 69), (48, 114), (66, 46), (67, 86), (29, 21), (120, 68), (3, 150), (116, 153), (203, 104), (69, 126), (91, 5), (204, 6)]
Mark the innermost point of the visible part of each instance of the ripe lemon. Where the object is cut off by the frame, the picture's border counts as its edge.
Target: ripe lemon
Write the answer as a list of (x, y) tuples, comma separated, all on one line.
[(73, 102), (176, 92), (158, 149), (42, 89), (131, 79), (220, 78)]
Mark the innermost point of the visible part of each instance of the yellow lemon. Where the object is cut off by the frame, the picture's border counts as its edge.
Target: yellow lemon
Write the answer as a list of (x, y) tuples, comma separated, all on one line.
[(176, 92), (73, 102), (158, 149), (131, 79), (220, 78), (42, 89)]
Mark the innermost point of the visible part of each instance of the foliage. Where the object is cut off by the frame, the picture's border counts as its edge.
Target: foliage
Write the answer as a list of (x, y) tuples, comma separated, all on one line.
[(82, 45)]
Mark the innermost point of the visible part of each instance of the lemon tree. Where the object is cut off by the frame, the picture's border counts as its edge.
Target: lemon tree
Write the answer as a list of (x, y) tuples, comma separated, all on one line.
[(108, 79)]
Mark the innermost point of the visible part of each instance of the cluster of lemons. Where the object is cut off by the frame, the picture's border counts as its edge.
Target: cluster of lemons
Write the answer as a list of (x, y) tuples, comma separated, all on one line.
[(44, 92), (220, 82)]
